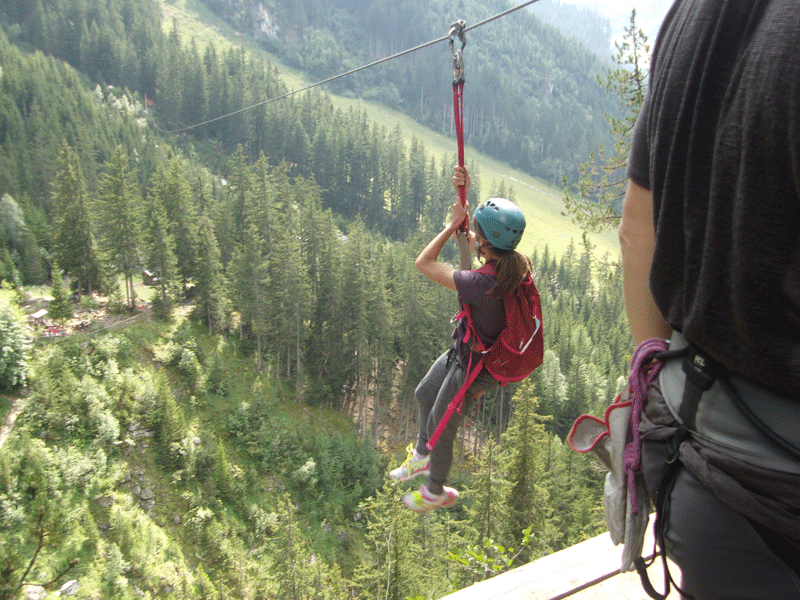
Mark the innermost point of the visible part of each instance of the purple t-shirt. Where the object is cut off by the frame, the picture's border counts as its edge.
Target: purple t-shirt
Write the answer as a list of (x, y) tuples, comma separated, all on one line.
[(488, 314)]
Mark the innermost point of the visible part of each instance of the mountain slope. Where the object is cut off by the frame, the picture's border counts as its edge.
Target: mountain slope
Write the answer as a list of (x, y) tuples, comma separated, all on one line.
[(535, 102), (539, 198)]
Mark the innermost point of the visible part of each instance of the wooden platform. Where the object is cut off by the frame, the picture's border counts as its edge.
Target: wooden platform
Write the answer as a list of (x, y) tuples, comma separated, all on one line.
[(586, 571)]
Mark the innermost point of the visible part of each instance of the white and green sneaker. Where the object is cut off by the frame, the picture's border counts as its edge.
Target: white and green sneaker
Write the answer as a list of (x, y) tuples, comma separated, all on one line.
[(414, 466), (422, 501)]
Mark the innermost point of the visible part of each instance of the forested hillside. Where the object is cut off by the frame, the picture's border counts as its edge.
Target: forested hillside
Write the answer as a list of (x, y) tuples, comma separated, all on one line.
[(241, 451), (533, 96), (158, 460)]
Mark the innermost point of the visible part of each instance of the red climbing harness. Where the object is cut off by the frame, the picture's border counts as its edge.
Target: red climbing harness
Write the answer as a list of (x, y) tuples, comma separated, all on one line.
[(517, 351)]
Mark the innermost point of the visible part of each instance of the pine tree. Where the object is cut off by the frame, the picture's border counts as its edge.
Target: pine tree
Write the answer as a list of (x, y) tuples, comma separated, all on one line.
[(356, 326), (595, 201), (60, 307), (169, 75), (324, 357), (527, 495), (290, 285), (17, 238), (488, 513), (176, 197), (418, 183), (73, 240), (7, 267), (250, 284), (249, 269), (290, 555), (239, 187), (15, 349), (160, 246), (48, 532), (574, 481), (12, 222), (379, 339), (170, 432), (212, 304), (193, 97), (119, 207), (222, 475), (553, 385)]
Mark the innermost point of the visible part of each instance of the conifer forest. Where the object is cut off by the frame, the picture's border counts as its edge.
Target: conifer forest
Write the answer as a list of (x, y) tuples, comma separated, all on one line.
[(233, 437)]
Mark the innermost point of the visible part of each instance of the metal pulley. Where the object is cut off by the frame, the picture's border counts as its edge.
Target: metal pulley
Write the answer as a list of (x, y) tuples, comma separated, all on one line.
[(457, 30)]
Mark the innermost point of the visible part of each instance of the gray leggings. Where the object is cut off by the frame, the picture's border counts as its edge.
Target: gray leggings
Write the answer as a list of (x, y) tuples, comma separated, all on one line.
[(433, 394), (721, 554)]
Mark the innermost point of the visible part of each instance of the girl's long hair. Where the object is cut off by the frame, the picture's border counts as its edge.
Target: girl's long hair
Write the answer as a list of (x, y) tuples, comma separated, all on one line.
[(511, 267)]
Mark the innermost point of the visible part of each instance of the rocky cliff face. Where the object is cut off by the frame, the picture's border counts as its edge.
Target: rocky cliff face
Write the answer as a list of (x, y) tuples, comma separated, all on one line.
[(256, 18), (264, 24)]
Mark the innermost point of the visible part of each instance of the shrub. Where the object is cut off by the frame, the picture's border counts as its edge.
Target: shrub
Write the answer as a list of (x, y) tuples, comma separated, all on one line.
[(191, 370), (115, 304), (162, 309), (88, 303), (168, 354), (170, 433)]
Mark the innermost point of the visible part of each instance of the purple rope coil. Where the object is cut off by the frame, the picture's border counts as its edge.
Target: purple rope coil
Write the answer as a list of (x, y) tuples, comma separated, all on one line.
[(643, 371)]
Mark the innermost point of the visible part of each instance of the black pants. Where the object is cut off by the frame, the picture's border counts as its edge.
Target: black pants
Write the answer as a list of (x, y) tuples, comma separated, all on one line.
[(721, 554)]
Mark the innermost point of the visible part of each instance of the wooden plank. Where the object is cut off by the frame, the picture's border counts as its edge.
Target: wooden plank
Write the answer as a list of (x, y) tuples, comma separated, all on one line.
[(586, 571)]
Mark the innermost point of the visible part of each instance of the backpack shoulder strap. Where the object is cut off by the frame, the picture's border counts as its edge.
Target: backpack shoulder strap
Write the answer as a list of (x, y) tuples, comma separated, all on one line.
[(487, 268)]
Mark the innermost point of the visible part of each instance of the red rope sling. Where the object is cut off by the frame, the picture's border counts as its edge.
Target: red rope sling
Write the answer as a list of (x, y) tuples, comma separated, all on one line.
[(457, 31), (462, 235)]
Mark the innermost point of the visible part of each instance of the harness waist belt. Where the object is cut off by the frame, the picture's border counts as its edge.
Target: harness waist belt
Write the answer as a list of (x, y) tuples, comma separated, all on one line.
[(721, 426)]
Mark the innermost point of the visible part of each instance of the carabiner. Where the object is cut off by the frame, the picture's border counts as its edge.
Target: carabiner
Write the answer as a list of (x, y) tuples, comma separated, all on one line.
[(457, 29)]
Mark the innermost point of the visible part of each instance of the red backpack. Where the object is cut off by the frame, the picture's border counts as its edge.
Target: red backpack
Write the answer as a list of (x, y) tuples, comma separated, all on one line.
[(516, 352)]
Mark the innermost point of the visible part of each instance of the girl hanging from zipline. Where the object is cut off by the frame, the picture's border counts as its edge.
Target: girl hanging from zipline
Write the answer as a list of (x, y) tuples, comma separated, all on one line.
[(496, 230)]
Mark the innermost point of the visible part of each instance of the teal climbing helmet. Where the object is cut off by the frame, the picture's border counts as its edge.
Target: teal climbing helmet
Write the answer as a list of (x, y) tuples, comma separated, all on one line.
[(502, 222)]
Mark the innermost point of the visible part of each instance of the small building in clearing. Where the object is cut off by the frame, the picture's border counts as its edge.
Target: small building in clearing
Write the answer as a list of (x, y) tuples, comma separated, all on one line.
[(37, 318)]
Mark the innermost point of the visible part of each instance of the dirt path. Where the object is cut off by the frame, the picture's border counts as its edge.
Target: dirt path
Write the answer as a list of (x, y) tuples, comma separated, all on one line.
[(17, 404)]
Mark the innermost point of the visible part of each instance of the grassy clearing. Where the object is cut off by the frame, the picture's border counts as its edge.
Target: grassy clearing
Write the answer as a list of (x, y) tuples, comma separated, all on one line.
[(540, 202)]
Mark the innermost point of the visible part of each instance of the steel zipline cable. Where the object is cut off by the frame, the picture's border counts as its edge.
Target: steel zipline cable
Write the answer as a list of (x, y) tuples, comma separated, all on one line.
[(350, 72)]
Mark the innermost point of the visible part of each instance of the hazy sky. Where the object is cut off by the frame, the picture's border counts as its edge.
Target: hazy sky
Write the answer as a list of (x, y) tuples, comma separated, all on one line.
[(649, 13)]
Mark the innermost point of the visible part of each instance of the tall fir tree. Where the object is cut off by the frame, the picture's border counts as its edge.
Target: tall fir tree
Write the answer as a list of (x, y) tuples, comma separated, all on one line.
[(60, 307), (488, 513), (211, 300), (356, 326), (250, 268), (290, 285), (595, 201), (15, 349), (73, 240), (170, 431), (239, 187), (527, 495), (176, 197), (379, 340), (119, 209), (160, 246), (290, 555)]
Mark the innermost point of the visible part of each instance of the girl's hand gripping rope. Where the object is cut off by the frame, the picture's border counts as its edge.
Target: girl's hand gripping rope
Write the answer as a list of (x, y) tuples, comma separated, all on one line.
[(461, 179)]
